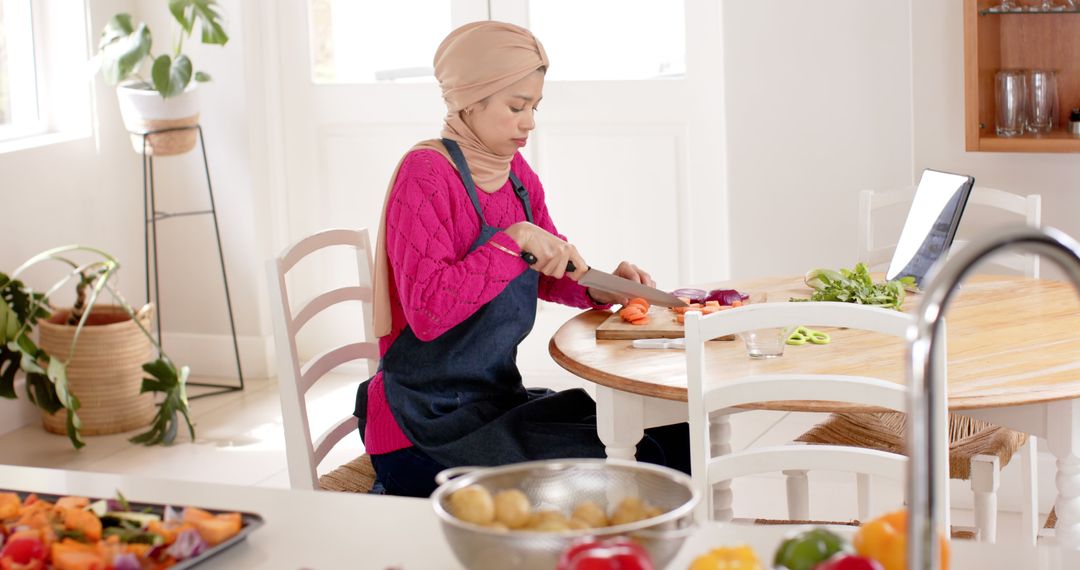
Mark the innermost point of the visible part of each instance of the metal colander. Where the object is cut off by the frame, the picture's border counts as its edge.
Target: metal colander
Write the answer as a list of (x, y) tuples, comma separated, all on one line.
[(561, 484)]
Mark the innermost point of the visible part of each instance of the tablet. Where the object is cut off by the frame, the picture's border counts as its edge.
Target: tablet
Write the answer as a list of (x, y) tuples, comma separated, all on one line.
[(931, 224)]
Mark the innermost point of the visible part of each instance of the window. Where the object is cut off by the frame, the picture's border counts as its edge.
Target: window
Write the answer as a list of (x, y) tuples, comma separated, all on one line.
[(43, 80), (611, 39), (365, 42), (18, 87)]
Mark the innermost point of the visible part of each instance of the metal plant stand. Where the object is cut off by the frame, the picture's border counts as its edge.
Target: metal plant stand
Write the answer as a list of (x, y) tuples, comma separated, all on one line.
[(152, 216)]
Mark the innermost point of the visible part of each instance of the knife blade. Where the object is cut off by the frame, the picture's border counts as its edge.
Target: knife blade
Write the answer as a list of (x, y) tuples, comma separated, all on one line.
[(615, 284), (618, 285)]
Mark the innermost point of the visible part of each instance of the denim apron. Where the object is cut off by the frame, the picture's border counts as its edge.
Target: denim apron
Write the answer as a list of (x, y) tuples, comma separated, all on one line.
[(459, 397)]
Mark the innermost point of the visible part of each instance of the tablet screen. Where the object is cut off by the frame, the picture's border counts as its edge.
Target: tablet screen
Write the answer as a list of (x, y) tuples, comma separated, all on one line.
[(931, 224)]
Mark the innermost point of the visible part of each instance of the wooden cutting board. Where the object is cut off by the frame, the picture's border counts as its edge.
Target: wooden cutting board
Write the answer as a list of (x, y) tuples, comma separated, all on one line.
[(662, 324)]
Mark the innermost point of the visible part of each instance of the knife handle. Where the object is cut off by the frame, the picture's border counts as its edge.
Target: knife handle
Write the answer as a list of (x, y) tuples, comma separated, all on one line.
[(531, 259)]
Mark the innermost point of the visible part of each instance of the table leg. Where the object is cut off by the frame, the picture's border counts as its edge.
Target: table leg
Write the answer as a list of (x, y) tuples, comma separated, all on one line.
[(620, 422), (1063, 428)]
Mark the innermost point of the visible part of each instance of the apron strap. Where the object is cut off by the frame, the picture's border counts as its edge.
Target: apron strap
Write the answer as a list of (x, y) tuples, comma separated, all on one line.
[(466, 176), (470, 186), (522, 195)]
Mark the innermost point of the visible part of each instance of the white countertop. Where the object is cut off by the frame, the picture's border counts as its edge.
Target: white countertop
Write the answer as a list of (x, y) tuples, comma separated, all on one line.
[(307, 529)]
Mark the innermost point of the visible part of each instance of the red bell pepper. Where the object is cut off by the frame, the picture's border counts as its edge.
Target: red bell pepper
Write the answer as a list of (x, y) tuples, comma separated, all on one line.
[(844, 561), (610, 554), (23, 554)]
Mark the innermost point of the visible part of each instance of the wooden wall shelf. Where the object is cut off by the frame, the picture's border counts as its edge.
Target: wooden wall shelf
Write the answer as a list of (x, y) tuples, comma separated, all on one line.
[(1018, 40)]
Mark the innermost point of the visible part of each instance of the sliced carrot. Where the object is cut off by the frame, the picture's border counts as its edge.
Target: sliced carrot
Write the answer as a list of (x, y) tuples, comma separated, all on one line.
[(641, 321), (630, 312), (708, 310), (681, 318), (638, 301), (712, 303), (736, 303)]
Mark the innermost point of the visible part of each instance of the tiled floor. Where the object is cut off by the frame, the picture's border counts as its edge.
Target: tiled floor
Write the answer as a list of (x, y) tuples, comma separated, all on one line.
[(240, 442)]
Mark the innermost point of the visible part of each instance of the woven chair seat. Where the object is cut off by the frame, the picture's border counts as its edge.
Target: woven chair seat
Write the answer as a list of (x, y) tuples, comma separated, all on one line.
[(356, 476), (885, 431)]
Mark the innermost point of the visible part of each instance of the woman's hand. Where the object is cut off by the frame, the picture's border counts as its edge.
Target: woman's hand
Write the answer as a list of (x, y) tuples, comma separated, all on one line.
[(552, 253), (629, 271)]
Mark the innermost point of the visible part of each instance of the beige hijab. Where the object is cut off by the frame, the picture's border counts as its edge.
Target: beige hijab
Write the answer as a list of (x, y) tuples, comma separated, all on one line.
[(472, 63)]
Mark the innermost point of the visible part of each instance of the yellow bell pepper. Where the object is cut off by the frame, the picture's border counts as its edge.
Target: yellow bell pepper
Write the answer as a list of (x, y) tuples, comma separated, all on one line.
[(728, 558), (885, 539)]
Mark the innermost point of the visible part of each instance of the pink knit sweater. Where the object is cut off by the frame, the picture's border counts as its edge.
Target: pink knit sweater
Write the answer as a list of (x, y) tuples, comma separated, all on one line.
[(438, 283)]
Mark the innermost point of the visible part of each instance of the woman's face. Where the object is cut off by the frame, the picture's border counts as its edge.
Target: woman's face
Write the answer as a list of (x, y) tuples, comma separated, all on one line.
[(504, 120)]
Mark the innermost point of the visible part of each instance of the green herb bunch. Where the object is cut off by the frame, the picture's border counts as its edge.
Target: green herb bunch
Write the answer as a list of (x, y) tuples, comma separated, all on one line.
[(856, 286)]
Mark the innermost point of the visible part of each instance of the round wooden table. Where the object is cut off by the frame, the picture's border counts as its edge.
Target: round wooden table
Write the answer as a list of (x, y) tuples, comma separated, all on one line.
[(1013, 346)]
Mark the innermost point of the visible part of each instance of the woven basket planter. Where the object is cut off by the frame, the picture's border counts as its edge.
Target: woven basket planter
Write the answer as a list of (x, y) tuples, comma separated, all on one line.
[(105, 372), (145, 110)]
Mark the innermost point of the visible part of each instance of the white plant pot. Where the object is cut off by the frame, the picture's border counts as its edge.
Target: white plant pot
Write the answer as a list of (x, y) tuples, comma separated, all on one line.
[(144, 110)]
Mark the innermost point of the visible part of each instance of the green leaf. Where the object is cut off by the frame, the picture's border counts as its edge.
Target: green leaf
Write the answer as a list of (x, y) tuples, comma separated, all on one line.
[(182, 13), (117, 27), (165, 378), (42, 393), (120, 58), (171, 76), (9, 366), (202, 76), (57, 373), (9, 322), (186, 12)]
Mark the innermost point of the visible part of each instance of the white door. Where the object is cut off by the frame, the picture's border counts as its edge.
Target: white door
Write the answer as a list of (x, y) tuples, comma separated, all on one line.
[(628, 143)]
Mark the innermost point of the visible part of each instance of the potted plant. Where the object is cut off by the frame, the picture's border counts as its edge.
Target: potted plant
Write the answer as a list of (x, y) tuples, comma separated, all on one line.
[(99, 351), (167, 97)]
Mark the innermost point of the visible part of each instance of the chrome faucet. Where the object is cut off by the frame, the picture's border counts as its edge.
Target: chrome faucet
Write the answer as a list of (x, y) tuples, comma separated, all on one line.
[(926, 409)]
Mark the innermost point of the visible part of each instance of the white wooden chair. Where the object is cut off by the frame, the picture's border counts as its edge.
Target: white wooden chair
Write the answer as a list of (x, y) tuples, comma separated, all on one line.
[(978, 450), (871, 204), (295, 379), (713, 462)]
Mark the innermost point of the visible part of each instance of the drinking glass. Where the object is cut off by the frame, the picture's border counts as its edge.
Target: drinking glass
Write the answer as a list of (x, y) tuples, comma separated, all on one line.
[(1010, 96), (765, 343), (1006, 6), (1042, 100)]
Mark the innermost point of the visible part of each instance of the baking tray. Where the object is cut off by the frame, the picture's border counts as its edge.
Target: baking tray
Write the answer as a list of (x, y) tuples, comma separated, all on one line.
[(249, 522)]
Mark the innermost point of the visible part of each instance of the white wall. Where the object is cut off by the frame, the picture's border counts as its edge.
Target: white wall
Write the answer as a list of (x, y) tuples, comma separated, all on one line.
[(818, 108), (89, 191), (192, 298), (938, 55)]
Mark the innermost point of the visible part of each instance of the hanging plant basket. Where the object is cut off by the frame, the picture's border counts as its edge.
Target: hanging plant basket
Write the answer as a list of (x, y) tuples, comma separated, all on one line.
[(106, 370), (145, 110)]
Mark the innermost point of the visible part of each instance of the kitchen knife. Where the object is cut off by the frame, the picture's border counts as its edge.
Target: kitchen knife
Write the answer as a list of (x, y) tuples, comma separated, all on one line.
[(614, 284)]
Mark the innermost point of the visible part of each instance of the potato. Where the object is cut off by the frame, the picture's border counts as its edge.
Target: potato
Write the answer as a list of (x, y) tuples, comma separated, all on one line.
[(512, 508), (630, 509), (497, 526), (551, 525), (473, 504), (578, 524), (590, 513), (542, 517), (651, 511)]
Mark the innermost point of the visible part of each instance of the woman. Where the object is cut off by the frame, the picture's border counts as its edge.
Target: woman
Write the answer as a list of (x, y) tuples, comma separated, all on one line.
[(454, 297)]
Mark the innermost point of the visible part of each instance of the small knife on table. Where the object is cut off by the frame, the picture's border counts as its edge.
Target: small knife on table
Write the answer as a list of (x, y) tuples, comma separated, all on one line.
[(621, 286)]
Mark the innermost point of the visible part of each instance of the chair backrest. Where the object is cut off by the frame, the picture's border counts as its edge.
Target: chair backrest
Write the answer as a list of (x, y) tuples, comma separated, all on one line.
[(295, 378), (1029, 208), (705, 397)]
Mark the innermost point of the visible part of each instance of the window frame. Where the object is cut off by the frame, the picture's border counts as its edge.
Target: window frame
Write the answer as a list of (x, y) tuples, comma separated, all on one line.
[(54, 101)]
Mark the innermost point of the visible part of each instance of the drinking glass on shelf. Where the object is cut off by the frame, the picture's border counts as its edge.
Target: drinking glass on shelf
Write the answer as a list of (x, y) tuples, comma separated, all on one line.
[(1043, 100), (1010, 97), (1006, 6)]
